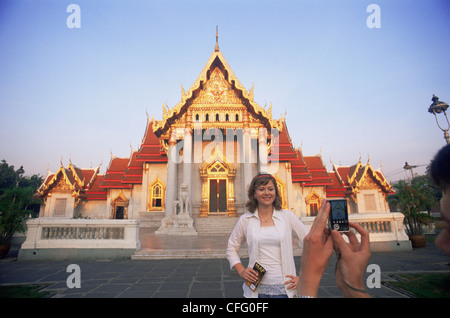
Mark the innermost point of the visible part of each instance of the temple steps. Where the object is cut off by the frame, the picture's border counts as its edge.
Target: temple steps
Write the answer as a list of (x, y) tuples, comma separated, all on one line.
[(219, 224), (215, 225), (201, 246), (210, 243), (151, 219), (184, 254)]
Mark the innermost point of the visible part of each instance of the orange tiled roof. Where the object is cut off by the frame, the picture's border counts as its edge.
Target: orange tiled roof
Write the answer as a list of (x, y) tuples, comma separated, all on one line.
[(95, 192), (134, 171), (115, 172), (282, 149), (299, 169), (319, 174), (336, 189), (151, 150)]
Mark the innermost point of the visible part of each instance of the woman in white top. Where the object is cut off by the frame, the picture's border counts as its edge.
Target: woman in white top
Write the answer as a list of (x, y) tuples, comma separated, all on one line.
[(269, 232)]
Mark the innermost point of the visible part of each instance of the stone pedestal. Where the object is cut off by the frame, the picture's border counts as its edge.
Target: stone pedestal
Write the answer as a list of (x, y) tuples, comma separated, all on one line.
[(180, 224), (183, 224), (166, 224)]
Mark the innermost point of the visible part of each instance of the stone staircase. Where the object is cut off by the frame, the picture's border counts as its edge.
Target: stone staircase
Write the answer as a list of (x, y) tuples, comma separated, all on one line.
[(215, 225), (184, 254), (212, 225), (151, 219)]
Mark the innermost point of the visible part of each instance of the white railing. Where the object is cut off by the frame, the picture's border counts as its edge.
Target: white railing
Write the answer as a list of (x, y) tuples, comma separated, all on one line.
[(81, 233), (382, 227)]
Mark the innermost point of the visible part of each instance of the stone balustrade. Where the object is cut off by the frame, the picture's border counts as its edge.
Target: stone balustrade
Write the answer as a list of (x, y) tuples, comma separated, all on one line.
[(386, 230), (79, 238)]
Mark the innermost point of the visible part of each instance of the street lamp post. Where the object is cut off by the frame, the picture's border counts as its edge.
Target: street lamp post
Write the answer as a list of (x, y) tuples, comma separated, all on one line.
[(438, 107), (409, 167)]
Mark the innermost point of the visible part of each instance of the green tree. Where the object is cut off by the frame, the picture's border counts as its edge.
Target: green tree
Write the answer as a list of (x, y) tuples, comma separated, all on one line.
[(414, 200), (14, 211), (8, 176), (16, 200)]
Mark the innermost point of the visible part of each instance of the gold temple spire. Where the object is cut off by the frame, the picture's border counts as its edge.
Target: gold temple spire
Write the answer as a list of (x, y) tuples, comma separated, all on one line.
[(216, 49)]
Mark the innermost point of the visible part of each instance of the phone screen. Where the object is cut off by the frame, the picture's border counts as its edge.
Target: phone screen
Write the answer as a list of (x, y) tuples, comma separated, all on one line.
[(338, 215)]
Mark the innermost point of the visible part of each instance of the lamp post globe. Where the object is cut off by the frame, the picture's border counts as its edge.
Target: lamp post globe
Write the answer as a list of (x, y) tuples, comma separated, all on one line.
[(438, 107)]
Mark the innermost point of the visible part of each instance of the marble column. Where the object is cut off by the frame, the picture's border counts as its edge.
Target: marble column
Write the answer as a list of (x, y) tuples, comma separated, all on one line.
[(187, 159), (171, 175), (262, 158), (247, 161)]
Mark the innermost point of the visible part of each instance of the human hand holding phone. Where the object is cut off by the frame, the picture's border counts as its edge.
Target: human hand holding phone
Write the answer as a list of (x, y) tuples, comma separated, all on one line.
[(352, 260)]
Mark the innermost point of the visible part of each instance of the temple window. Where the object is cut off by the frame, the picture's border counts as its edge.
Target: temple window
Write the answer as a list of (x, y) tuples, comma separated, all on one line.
[(217, 117), (313, 208), (197, 117), (60, 207), (227, 117), (218, 168), (369, 200), (237, 117), (156, 199), (312, 204), (207, 117), (157, 196)]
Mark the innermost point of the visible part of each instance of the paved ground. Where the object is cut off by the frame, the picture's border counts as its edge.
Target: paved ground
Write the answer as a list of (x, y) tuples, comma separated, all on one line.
[(192, 278)]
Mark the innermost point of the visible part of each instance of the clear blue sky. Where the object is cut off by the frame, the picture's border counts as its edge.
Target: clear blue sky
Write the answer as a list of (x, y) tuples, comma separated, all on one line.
[(348, 90)]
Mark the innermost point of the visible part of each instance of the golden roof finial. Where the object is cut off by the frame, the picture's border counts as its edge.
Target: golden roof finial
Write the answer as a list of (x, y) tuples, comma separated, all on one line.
[(216, 49), (251, 94)]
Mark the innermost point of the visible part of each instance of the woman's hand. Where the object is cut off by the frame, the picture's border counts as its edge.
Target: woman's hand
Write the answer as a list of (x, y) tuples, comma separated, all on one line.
[(293, 281), (249, 274)]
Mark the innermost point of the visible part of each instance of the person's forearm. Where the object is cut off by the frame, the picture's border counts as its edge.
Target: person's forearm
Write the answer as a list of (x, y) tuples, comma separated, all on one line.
[(239, 268), (308, 285), (354, 288)]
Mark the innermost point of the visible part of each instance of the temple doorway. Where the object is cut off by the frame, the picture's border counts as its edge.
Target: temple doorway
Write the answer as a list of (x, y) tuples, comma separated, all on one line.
[(120, 211), (217, 175), (119, 205), (217, 195)]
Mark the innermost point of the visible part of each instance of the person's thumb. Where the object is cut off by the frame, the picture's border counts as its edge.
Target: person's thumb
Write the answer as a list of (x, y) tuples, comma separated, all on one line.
[(339, 241)]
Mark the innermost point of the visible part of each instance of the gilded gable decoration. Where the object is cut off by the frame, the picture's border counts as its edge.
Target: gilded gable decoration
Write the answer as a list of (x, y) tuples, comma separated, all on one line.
[(368, 183), (62, 185), (70, 179), (217, 90)]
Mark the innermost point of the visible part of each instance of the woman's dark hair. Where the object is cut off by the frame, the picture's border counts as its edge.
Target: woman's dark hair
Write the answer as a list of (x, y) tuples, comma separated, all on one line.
[(258, 180), (440, 168)]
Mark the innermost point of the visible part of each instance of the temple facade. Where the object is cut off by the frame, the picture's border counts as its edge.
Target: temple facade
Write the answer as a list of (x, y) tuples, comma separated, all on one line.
[(198, 160)]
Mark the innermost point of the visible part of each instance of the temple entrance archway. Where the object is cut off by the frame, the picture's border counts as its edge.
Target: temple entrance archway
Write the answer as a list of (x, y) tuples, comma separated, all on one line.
[(119, 207), (217, 175)]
